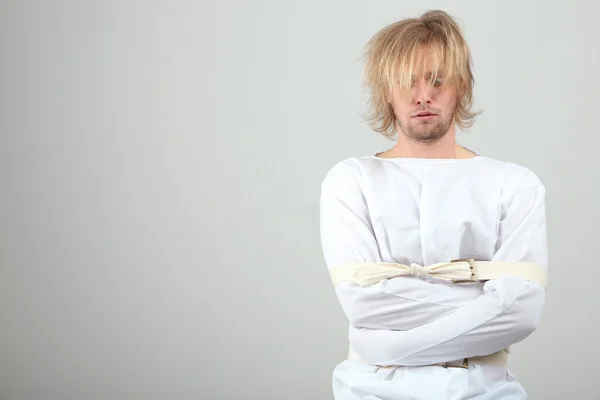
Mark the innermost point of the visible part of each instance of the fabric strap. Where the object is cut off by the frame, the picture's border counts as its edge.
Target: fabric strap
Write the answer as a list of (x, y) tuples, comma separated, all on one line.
[(456, 271)]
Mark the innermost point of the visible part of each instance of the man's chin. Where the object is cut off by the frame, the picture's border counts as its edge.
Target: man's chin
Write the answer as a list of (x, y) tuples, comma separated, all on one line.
[(427, 136)]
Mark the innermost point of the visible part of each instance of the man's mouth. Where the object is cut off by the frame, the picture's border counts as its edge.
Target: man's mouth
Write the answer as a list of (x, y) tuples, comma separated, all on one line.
[(425, 115)]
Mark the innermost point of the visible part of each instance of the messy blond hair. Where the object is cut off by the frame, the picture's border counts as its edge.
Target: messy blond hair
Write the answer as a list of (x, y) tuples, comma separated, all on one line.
[(391, 61)]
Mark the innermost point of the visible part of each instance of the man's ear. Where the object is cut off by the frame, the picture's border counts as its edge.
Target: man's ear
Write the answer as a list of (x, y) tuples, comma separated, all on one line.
[(461, 88)]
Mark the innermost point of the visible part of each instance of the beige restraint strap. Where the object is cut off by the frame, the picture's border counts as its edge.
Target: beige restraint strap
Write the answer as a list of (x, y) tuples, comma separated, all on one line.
[(456, 271)]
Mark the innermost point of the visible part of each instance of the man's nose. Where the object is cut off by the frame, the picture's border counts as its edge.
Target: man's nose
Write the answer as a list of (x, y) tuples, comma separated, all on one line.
[(422, 93)]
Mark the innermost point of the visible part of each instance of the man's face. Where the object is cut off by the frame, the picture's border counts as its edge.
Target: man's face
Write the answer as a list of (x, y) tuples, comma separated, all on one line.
[(425, 113)]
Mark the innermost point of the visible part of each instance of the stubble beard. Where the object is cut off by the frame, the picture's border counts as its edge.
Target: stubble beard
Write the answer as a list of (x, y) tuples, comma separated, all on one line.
[(426, 132)]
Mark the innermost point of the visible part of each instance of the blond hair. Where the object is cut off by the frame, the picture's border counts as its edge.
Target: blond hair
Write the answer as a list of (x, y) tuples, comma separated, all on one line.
[(391, 61)]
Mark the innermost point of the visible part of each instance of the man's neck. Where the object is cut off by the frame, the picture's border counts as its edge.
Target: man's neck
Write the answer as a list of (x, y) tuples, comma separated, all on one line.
[(446, 147)]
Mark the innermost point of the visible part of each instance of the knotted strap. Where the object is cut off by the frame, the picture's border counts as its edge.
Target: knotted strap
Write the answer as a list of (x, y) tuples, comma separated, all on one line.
[(456, 271)]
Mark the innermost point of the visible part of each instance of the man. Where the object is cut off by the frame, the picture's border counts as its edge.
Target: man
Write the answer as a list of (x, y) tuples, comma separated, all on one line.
[(422, 326)]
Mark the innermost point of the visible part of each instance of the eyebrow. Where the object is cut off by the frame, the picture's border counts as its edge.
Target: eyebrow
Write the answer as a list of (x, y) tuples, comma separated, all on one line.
[(431, 73)]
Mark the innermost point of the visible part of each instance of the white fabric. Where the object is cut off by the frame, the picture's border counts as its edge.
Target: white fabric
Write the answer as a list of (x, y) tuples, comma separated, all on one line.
[(423, 212)]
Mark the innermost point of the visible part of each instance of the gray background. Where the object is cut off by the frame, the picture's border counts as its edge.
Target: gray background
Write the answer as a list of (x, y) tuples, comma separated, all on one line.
[(160, 169)]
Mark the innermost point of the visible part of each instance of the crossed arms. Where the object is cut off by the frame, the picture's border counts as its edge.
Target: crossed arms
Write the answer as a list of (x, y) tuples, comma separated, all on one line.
[(410, 321)]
